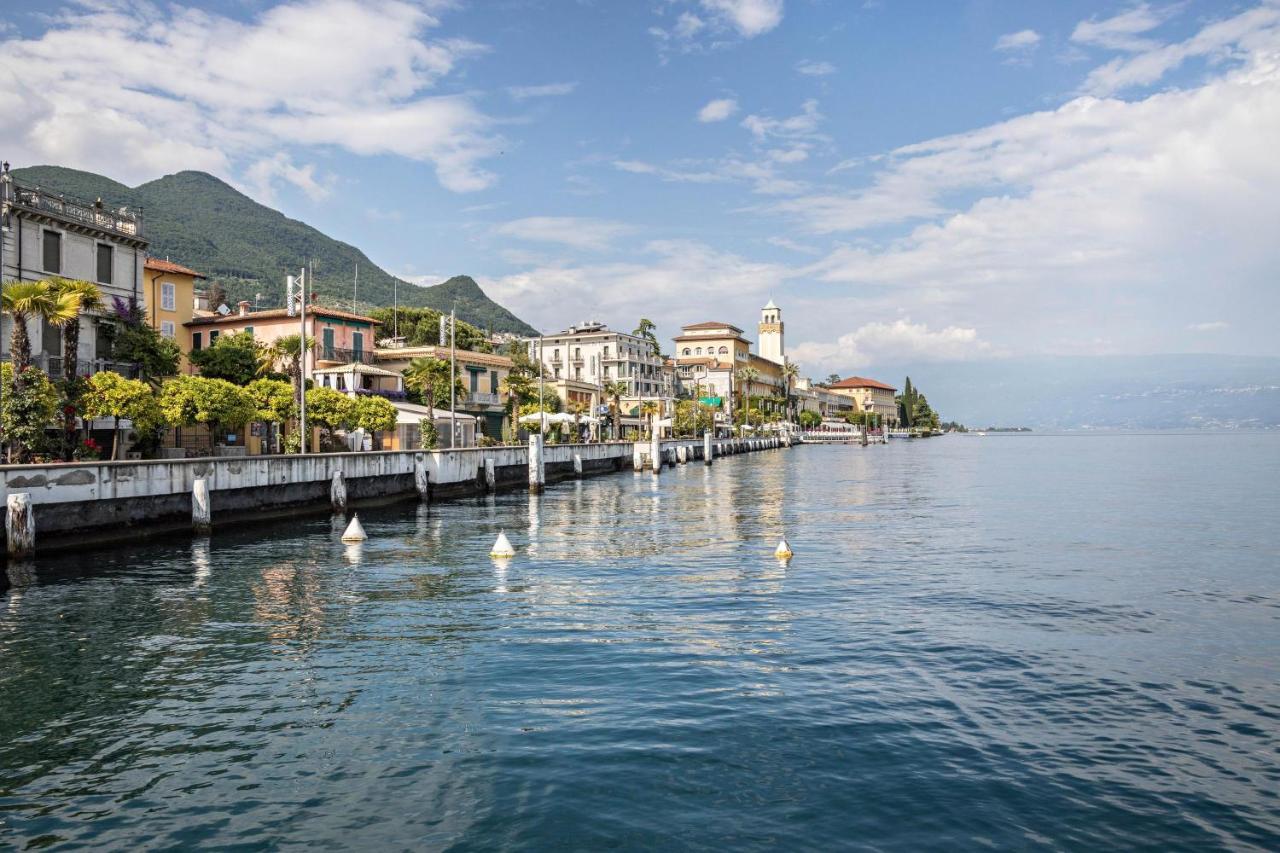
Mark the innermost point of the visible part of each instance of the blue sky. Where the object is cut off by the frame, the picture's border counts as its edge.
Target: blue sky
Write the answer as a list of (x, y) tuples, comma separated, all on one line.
[(909, 180)]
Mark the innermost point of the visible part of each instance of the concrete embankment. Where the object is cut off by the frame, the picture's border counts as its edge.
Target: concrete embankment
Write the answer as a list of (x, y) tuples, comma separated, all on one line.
[(77, 505)]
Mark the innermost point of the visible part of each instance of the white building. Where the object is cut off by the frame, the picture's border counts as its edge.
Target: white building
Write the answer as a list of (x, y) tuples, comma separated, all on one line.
[(772, 346), (45, 234), (592, 353)]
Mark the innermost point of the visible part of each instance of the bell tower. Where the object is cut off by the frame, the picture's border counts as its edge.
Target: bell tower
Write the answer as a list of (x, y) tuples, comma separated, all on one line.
[(771, 345)]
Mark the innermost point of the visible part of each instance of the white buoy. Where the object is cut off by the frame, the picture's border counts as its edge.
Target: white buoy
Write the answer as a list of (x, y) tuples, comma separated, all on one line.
[(502, 546), (783, 551), (354, 532)]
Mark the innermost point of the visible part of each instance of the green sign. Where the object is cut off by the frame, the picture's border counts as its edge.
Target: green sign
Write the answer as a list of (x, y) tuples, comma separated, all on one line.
[(712, 401)]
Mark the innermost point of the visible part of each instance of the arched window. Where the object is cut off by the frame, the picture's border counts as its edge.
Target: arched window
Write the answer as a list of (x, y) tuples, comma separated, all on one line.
[(687, 351), (698, 351), (724, 350)]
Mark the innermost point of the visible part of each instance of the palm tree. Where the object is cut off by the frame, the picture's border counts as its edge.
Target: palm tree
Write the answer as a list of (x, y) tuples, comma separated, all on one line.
[(288, 350), (790, 373), (86, 297), (425, 375), (648, 408), (577, 408), (517, 386), (615, 391), (25, 301), (747, 375)]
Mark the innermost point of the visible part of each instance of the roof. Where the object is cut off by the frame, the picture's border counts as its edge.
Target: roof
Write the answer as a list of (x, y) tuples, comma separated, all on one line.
[(170, 266), (701, 339), (770, 305), (466, 355), (411, 413), (861, 382), (276, 313), (711, 326), (357, 367)]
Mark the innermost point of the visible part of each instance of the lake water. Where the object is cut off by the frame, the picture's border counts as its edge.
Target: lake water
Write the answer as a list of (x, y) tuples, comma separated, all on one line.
[(1011, 641)]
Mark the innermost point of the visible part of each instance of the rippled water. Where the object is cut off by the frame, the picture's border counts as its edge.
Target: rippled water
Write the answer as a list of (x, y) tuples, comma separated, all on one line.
[(1023, 641)]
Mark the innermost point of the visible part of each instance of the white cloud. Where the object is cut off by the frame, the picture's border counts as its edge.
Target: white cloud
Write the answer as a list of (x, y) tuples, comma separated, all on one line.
[(1123, 31), (801, 126), (547, 90), (575, 232), (1252, 32), (262, 176), (688, 25), (1101, 219), (793, 246), (898, 341), (749, 17), (815, 69), (717, 110), (135, 91), (1023, 40), (661, 286), (1211, 326)]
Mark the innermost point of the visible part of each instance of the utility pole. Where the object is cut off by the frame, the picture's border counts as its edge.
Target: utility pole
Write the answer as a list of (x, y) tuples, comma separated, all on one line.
[(542, 413), (453, 377), (355, 291), (302, 359)]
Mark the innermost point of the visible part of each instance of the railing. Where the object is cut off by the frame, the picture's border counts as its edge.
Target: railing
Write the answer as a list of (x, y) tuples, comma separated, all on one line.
[(119, 220), (343, 356), (52, 366), (480, 398)]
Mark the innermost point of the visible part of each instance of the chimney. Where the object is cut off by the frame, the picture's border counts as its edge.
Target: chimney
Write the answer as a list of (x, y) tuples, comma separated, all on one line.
[(244, 307)]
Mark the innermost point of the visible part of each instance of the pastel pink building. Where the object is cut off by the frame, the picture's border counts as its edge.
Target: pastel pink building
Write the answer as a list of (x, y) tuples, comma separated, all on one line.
[(340, 336)]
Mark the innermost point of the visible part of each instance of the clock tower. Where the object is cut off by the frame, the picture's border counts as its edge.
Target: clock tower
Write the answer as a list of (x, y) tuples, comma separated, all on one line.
[(771, 345)]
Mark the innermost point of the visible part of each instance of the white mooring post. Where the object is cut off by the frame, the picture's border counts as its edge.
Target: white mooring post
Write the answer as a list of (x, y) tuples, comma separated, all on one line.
[(490, 475), (637, 456), (577, 465), (201, 509), (655, 446), (537, 474), (421, 478), (708, 449), (338, 492), (20, 525)]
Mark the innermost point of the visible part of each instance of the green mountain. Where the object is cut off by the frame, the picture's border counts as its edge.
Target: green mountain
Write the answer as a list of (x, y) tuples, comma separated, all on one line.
[(194, 219)]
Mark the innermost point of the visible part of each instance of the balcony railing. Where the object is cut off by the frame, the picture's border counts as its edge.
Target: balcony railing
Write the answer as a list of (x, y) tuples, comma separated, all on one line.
[(118, 220), (343, 356), (481, 398), (52, 366)]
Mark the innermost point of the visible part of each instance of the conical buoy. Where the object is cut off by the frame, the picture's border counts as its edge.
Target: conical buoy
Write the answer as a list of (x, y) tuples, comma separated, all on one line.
[(502, 546), (354, 532), (783, 551)]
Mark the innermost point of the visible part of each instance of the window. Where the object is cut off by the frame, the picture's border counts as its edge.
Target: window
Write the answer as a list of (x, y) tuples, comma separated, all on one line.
[(577, 373), (698, 351), (493, 382), (167, 329), (555, 354), (606, 351), (106, 261), (342, 382), (326, 339), (724, 350), (197, 341), (52, 252), (475, 380), (357, 346), (168, 296), (577, 353), (688, 351), (213, 337)]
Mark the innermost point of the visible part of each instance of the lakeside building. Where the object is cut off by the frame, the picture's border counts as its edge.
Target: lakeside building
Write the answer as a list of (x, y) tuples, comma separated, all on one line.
[(171, 302), (45, 234), (341, 337), (584, 359), (869, 395), (714, 360), (821, 400), (482, 375)]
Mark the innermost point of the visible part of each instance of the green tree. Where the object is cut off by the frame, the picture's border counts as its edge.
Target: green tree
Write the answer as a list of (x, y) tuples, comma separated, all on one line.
[(745, 376), (647, 330), (810, 420), (375, 415), (86, 297), (833, 378), (236, 358), (110, 395), (615, 391), (429, 378), (273, 400), (25, 301), (190, 400), (27, 410), (790, 373), (135, 342), (430, 435), (421, 327), (329, 408)]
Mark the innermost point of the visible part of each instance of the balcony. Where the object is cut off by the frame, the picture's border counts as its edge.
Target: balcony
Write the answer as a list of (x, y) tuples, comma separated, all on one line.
[(333, 356), (122, 221), (52, 366), (482, 398)]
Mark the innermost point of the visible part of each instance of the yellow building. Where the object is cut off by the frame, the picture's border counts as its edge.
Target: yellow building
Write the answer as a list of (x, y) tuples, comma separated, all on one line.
[(869, 395), (482, 375), (169, 292)]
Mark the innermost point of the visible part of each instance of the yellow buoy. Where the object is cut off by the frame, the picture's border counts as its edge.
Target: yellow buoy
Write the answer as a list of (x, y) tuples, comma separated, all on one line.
[(502, 546), (783, 551), (354, 532)]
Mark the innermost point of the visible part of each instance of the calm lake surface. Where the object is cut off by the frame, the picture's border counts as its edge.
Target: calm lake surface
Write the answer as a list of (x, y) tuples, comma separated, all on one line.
[(1011, 641)]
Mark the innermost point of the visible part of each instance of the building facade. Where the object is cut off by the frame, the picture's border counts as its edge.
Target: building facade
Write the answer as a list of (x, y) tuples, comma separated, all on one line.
[(340, 337), (44, 234), (869, 395), (172, 301), (483, 375)]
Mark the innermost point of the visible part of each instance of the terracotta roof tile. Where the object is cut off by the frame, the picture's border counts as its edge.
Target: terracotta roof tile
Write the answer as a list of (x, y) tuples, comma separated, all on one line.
[(169, 266), (862, 382)]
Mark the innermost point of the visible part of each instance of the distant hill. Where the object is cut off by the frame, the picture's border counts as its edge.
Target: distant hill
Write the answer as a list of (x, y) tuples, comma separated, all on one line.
[(1101, 392), (197, 220)]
